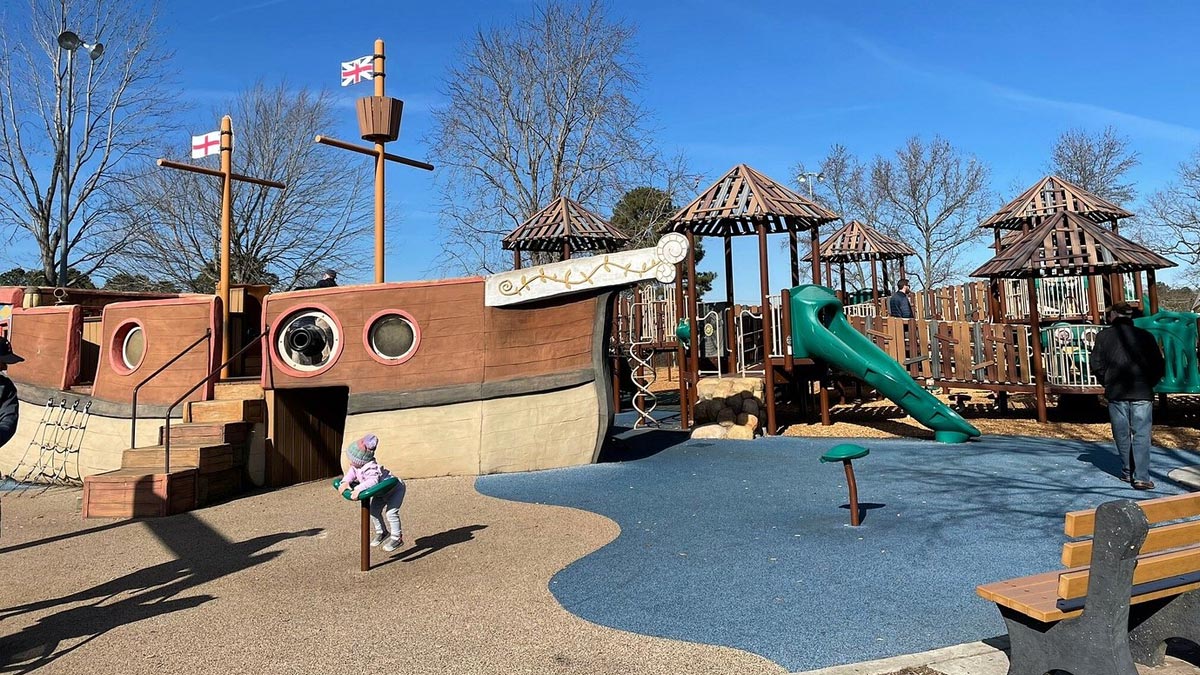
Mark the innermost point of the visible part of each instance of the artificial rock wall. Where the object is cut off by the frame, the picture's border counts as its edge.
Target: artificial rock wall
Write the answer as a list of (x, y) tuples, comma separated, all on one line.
[(728, 407)]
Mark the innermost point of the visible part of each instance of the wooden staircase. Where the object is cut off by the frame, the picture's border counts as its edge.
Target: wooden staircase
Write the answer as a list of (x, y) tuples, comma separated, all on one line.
[(208, 460)]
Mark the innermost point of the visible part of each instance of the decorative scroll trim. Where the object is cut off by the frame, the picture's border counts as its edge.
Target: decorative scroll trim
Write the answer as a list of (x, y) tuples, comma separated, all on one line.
[(611, 269)]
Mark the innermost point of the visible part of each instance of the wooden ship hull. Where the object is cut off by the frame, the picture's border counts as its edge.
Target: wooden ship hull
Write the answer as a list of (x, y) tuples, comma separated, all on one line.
[(456, 377), (481, 390)]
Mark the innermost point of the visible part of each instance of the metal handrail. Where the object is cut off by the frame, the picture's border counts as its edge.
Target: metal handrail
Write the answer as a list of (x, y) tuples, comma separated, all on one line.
[(133, 423), (211, 374)]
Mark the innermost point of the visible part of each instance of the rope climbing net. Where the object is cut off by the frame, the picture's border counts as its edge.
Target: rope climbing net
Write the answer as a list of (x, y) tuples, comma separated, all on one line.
[(52, 456)]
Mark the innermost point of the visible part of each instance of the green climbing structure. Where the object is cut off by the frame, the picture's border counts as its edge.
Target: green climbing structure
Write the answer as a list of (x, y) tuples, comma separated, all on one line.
[(1176, 332)]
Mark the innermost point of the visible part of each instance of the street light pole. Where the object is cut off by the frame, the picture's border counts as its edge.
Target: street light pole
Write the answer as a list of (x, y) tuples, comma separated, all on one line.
[(808, 177), (70, 42)]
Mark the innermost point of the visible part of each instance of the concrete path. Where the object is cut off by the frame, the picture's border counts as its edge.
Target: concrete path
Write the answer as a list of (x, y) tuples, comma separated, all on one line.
[(973, 658)]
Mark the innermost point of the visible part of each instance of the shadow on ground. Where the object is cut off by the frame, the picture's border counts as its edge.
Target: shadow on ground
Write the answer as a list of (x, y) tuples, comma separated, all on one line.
[(201, 555), (428, 545)]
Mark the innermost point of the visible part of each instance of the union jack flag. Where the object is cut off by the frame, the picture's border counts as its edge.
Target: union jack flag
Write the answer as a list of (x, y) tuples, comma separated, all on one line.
[(358, 70)]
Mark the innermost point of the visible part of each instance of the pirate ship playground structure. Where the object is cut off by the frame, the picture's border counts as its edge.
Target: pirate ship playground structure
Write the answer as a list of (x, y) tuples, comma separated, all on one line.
[(177, 400)]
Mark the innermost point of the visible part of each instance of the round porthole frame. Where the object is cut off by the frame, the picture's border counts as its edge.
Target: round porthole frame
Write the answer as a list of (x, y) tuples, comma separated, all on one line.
[(120, 339), (408, 318), (277, 326)]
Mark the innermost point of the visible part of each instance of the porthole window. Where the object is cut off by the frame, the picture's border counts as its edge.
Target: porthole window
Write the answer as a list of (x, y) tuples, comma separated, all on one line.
[(308, 341), (392, 337), (133, 347), (128, 347)]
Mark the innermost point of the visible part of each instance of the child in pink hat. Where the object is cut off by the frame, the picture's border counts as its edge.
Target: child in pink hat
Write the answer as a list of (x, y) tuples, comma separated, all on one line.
[(364, 472)]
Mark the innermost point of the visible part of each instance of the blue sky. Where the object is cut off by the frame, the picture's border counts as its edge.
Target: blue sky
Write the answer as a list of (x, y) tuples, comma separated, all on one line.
[(767, 83)]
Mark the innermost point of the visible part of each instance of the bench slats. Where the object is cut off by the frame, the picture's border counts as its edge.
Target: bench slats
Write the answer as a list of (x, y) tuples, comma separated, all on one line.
[(1083, 523), (1045, 606), (1168, 564), (1178, 535), (1073, 584)]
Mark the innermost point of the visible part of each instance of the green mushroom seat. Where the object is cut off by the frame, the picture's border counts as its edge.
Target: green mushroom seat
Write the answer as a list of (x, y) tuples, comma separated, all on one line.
[(379, 488), (845, 451)]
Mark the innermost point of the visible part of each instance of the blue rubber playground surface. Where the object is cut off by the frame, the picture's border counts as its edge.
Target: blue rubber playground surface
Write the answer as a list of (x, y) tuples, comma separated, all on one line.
[(747, 544)]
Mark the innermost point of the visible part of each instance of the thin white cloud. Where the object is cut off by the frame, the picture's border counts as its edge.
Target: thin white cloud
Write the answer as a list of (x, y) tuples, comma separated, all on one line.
[(1087, 113), (245, 8)]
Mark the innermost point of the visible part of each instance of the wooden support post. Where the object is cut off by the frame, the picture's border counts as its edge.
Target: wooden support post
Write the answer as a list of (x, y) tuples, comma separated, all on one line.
[(1116, 288), (516, 258), (379, 77), (223, 289), (823, 396), (566, 253), (814, 240), (765, 289), (794, 249), (993, 300), (1139, 291), (731, 317), (887, 284), (364, 564), (874, 282), (842, 280), (680, 357), (1039, 372), (693, 321), (1152, 282), (1095, 297)]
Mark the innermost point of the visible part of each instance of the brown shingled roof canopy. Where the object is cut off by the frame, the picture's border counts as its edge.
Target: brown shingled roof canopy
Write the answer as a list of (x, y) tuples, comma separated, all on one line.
[(1070, 244), (1049, 196), (565, 221), (741, 200), (857, 241)]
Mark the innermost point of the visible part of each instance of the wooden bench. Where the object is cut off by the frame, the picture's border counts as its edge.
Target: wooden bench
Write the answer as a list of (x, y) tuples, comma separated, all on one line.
[(1124, 593)]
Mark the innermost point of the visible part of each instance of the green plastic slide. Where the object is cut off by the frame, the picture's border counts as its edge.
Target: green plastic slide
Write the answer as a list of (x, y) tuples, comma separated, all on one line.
[(820, 331), (379, 488), (1176, 332)]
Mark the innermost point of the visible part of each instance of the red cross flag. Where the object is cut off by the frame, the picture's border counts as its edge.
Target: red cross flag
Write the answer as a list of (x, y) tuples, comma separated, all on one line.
[(358, 70), (208, 144)]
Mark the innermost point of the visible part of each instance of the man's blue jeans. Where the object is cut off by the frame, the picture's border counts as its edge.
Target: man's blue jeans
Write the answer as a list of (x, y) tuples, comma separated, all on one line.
[(1131, 422)]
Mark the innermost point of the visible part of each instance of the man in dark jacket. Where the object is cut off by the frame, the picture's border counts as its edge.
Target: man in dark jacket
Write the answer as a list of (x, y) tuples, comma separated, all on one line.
[(8, 393), (329, 280), (1128, 362), (899, 305)]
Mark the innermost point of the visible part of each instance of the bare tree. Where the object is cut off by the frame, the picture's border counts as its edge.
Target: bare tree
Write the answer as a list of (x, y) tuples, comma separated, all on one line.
[(844, 187), (934, 196), (536, 110), (87, 123), (1176, 216), (1096, 162), (279, 237)]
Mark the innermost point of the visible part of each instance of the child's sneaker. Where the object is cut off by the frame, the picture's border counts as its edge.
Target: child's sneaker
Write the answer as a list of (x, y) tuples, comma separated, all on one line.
[(393, 543), (378, 539)]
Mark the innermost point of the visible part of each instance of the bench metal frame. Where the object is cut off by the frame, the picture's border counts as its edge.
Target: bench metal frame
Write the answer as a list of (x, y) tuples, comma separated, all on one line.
[(1106, 639)]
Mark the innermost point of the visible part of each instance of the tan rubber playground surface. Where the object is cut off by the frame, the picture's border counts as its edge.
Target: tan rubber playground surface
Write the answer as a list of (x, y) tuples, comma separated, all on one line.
[(269, 584)]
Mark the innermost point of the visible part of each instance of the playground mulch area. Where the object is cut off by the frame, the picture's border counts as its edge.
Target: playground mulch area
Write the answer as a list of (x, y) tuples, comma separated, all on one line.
[(747, 544), (1177, 427), (269, 583)]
